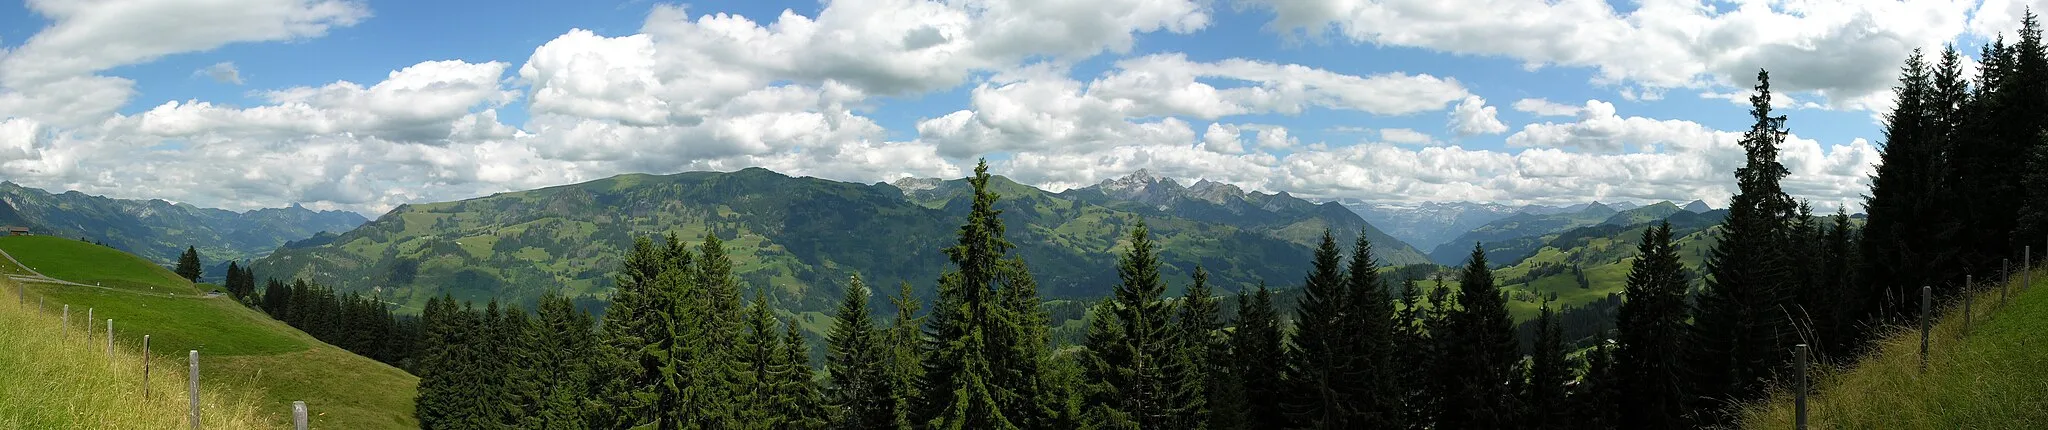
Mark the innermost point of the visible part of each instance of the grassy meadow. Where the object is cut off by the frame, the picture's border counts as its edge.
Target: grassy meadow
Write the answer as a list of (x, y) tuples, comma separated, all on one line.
[(247, 350), (67, 381), (1992, 377)]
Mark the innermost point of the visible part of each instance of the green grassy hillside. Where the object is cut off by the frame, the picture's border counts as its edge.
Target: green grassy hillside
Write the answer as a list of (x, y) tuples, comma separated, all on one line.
[(252, 352), (1992, 377), (68, 381)]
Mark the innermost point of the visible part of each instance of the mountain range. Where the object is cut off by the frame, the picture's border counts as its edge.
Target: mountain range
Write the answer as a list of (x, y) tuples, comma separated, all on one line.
[(800, 238), (160, 230), (1428, 225)]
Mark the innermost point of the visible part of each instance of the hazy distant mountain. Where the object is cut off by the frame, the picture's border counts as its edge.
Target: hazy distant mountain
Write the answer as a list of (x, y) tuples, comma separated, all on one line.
[(1426, 225), (1280, 215), (160, 230), (1698, 206), (1520, 225)]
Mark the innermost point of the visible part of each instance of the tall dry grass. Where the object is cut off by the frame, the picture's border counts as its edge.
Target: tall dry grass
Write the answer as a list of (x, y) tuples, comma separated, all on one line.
[(1993, 377), (50, 380)]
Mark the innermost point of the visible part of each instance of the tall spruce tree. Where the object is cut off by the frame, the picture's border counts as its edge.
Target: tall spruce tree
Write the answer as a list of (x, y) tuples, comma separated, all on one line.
[(188, 265), (1441, 373), (1913, 222), (1368, 367), (904, 360), (1480, 353), (1991, 165), (1650, 325), (1132, 347), (277, 299), (1742, 320), (855, 361), (1412, 349), (1317, 366), (798, 404), (1257, 355), (1596, 401), (1839, 260), (1019, 349), (1545, 403), (639, 337), (560, 365), (960, 391), (1202, 376)]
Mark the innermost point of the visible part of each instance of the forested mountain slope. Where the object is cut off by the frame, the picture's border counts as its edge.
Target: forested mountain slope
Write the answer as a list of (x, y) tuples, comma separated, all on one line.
[(799, 238)]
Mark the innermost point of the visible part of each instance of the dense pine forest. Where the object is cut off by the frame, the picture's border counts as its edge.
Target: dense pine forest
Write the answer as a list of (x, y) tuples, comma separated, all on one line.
[(1962, 191)]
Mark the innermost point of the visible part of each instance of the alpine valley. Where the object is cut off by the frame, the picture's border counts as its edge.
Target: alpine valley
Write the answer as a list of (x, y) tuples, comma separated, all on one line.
[(800, 238), (160, 230)]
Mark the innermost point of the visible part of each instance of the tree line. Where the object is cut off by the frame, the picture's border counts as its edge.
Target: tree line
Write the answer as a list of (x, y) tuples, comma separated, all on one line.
[(682, 348)]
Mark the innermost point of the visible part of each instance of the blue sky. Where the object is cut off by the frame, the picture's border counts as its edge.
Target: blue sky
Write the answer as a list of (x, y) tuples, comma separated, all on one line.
[(365, 105)]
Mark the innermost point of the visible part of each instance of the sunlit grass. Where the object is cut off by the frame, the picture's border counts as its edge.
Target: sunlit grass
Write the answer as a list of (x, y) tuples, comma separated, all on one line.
[(240, 348), (1993, 377), (58, 381)]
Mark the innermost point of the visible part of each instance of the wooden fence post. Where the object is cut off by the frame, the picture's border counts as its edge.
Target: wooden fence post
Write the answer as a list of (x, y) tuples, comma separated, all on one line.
[(66, 331), (88, 323), (299, 415), (110, 339), (145, 367), (1926, 303), (192, 388), (1799, 400)]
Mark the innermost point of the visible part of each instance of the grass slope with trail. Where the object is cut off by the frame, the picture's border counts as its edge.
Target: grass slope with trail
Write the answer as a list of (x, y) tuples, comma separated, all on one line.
[(1992, 377), (238, 345)]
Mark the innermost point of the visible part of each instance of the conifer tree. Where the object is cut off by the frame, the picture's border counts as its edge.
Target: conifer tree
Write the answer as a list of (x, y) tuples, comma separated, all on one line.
[(1316, 361), (621, 368), (1442, 335), (506, 381), (188, 265), (1839, 259), (1258, 358), (1019, 348), (856, 363), (1480, 353), (433, 406), (759, 389), (1132, 346), (904, 360), (798, 404), (560, 365), (1201, 373), (960, 389), (1996, 167), (1411, 349), (1367, 369), (1544, 397), (233, 281), (277, 299), (1650, 324), (1741, 321), (1596, 402)]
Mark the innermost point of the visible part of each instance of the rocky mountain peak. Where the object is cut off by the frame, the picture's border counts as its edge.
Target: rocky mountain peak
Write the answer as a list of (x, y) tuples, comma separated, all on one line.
[(917, 184)]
